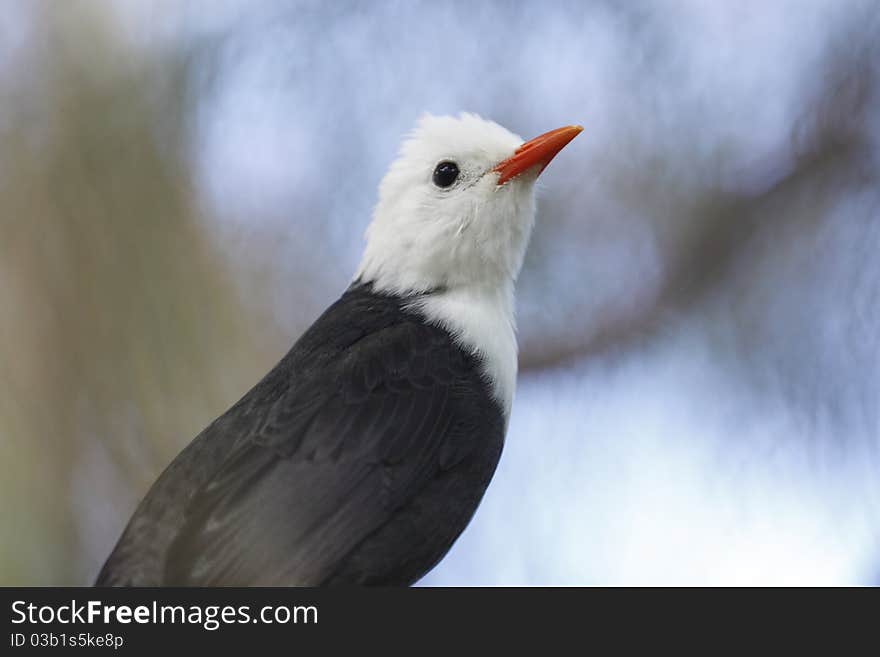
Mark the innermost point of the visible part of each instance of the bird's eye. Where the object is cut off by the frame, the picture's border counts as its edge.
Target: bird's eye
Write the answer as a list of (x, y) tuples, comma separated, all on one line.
[(445, 173)]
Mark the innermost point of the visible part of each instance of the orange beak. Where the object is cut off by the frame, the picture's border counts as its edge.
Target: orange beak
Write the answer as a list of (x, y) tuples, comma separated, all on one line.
[(536, 153)]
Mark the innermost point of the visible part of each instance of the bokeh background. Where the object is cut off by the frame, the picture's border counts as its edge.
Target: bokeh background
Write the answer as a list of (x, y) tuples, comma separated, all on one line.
[(185, 186)]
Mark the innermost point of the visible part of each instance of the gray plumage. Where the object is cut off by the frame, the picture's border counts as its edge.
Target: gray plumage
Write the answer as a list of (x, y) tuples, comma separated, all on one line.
[(358, 459)]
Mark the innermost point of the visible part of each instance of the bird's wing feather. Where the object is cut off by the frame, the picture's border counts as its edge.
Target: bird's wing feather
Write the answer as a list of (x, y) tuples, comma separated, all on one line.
[(324, 467)]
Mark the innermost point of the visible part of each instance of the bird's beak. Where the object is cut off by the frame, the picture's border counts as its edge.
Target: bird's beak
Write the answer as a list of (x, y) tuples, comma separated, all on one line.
[(537, 152)]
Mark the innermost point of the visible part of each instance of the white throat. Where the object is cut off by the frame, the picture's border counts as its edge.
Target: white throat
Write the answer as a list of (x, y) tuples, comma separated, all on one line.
[(481, 319)]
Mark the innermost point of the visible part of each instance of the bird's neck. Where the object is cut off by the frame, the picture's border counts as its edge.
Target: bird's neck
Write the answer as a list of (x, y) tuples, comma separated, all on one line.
[(481, 318)]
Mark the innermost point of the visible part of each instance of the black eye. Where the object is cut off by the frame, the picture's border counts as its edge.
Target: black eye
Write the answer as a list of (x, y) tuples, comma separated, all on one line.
[(445, 173)]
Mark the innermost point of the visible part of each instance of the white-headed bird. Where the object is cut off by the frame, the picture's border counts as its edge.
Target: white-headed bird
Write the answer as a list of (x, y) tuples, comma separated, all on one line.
[(363, 454)]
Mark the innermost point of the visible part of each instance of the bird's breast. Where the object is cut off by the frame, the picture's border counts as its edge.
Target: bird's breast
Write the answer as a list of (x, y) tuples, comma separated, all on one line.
[(482, 322)]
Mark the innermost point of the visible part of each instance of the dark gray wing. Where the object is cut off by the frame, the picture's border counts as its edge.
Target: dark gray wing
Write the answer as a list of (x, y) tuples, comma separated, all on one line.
[(330, 460)]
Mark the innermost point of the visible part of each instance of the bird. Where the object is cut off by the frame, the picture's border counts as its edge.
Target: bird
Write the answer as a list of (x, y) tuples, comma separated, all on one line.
[(364, 453)]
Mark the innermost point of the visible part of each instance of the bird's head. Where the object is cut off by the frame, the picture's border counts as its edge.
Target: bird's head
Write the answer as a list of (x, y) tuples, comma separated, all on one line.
[(457, 206)]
